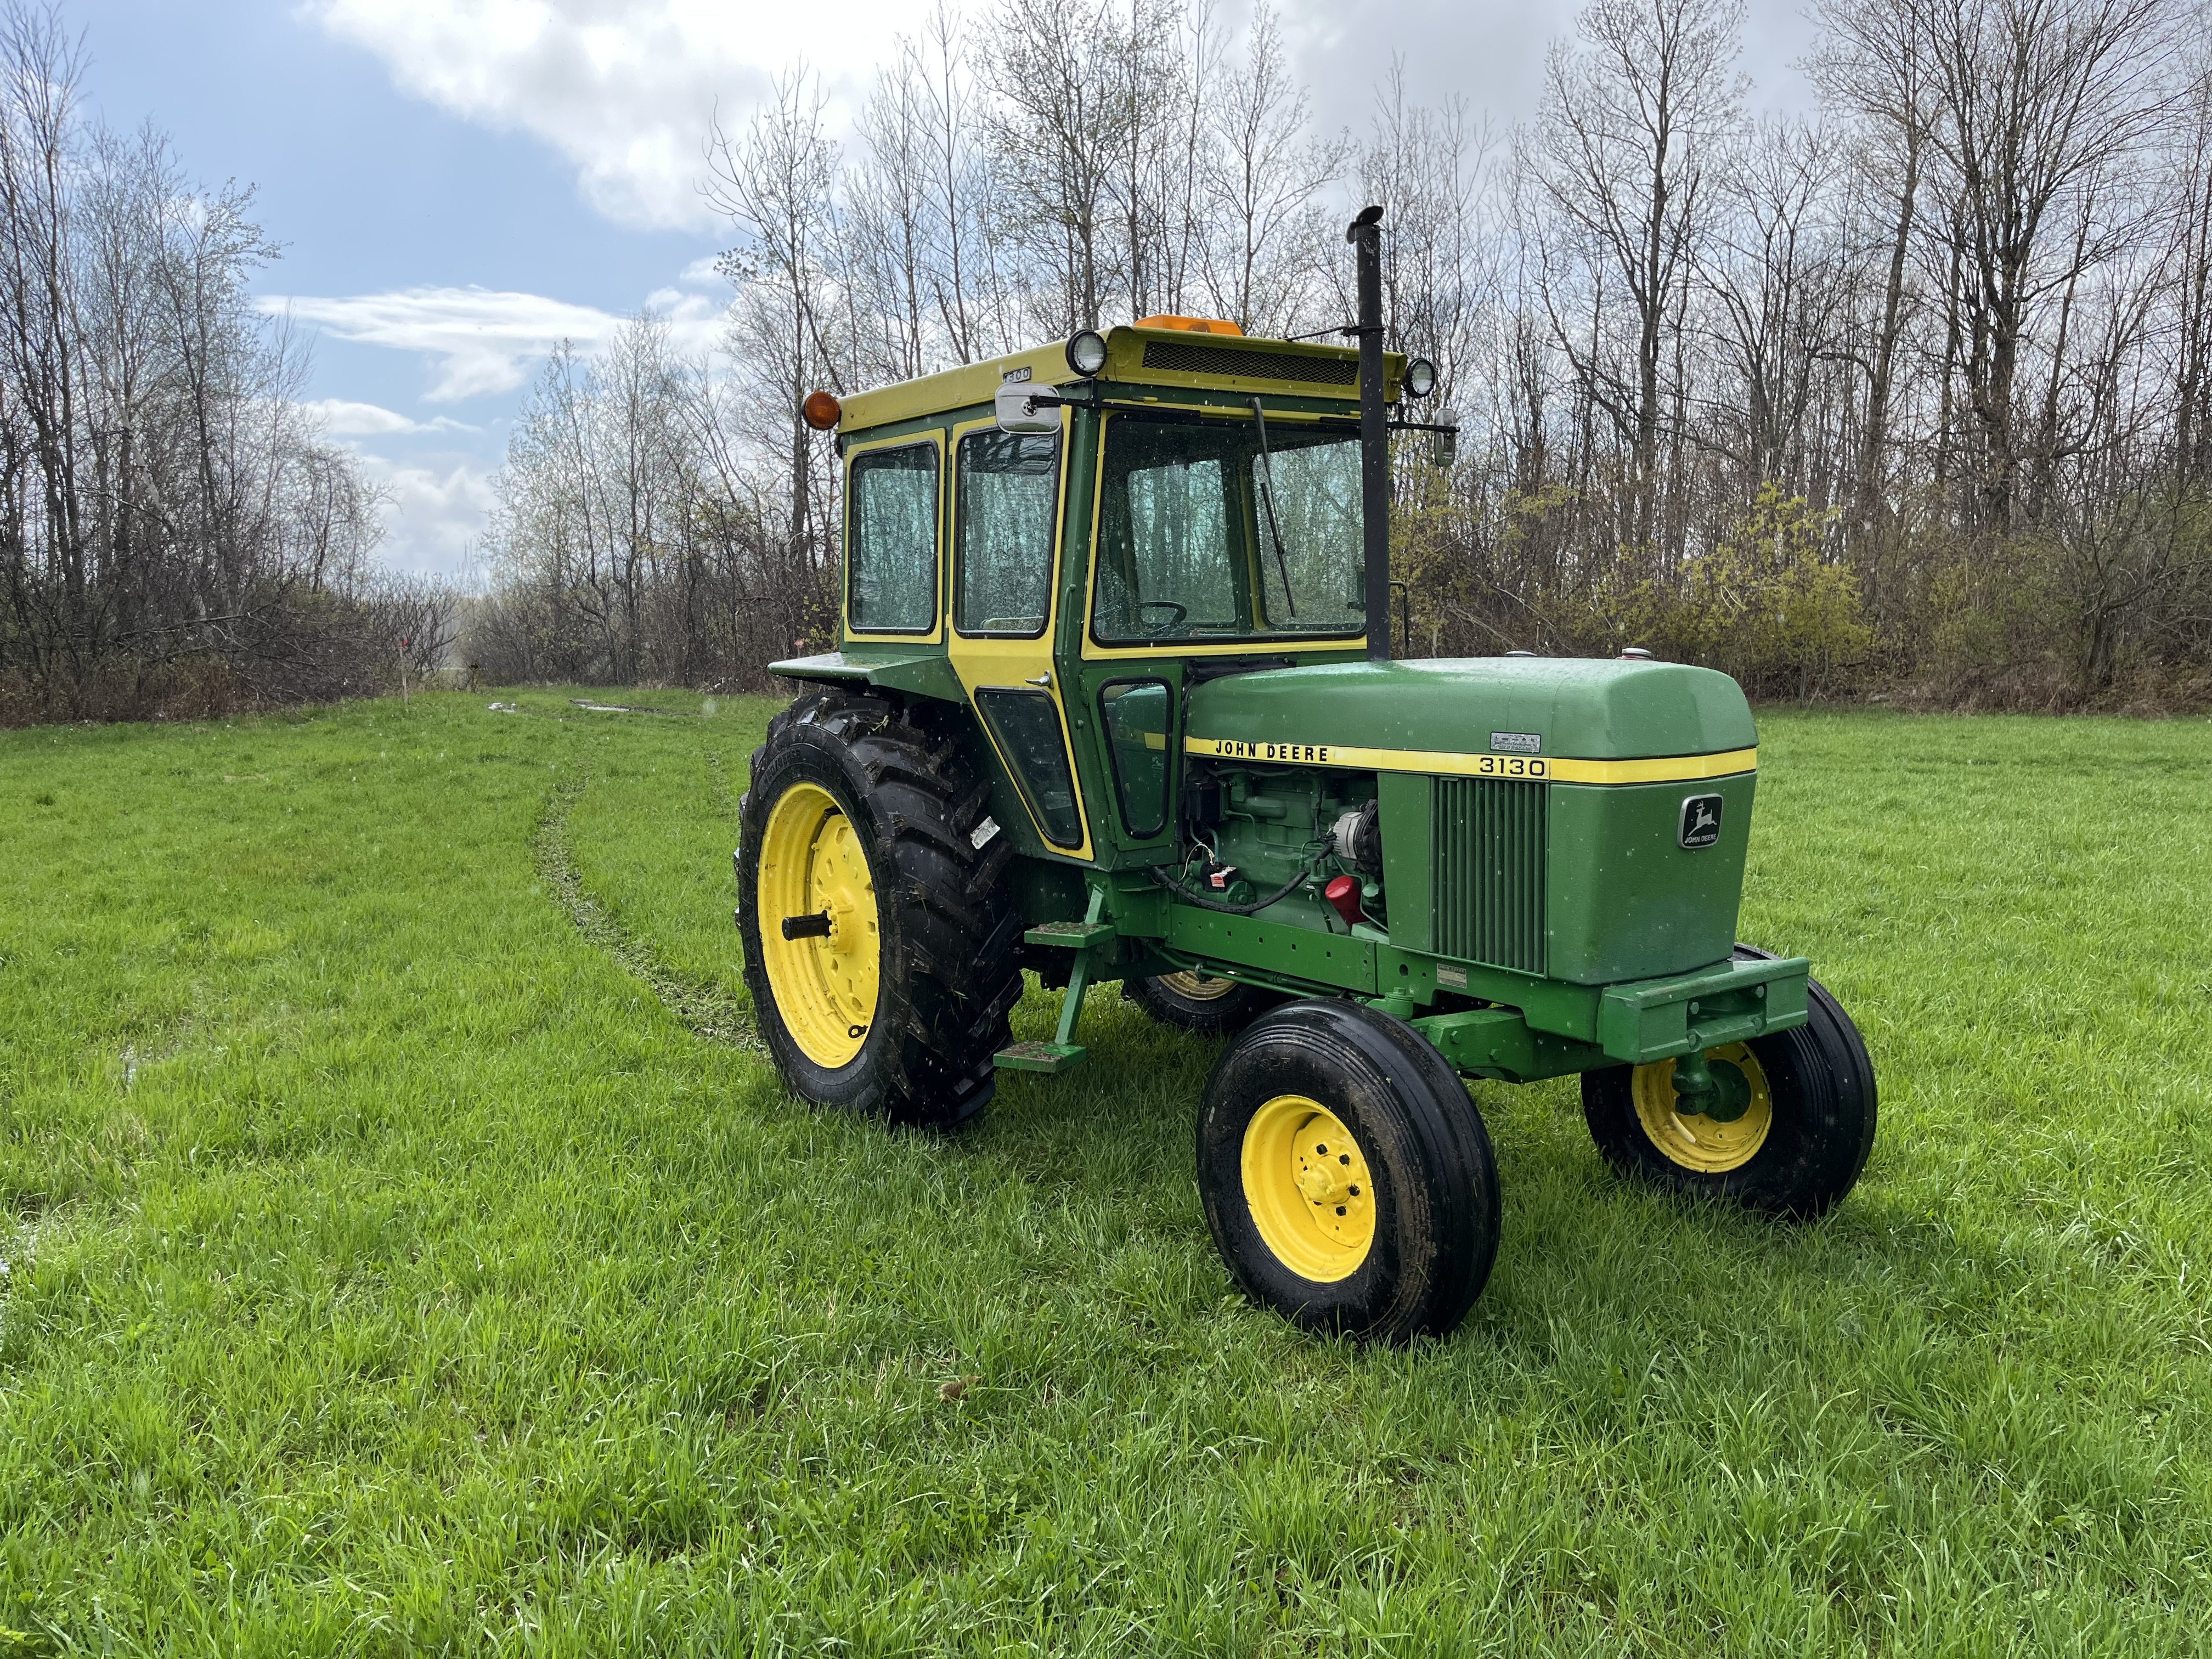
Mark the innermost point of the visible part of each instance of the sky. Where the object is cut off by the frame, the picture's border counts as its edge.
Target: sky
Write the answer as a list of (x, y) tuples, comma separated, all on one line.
[(457, 186)]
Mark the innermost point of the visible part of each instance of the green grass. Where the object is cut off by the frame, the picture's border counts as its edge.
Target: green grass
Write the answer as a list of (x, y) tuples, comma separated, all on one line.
[(390, 1267)]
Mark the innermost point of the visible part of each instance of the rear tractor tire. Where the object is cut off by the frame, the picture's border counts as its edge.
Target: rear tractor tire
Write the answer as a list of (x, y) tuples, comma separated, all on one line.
[(1191, 1001), (1347, 1175), (879, 939), (1793, 1153)]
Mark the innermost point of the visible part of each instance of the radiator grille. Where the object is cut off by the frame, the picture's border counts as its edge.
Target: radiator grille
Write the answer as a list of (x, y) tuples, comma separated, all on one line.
[(1250, 363), (1489, 838)]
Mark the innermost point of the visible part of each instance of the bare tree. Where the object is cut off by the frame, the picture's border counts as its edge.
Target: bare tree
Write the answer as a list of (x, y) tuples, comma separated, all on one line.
[(1631, 120), (1918, 396), (1266, 172), (2041, 104), (1872, 74), (1058, 126), (165, 500), (775, 183)]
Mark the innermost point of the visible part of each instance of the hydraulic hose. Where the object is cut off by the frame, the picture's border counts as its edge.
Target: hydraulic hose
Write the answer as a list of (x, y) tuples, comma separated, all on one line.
[(1224, 907)]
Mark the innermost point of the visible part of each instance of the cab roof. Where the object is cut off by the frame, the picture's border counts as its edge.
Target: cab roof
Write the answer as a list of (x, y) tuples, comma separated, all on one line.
[(1176, 358)]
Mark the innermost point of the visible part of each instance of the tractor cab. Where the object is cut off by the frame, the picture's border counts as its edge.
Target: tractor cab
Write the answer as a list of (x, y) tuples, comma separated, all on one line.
[(1070, 538)]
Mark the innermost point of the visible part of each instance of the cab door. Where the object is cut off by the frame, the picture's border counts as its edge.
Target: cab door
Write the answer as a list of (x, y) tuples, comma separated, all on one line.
[(1008, 493)]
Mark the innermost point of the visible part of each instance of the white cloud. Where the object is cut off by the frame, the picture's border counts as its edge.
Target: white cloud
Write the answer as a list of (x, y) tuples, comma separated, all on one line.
[(484, 341), (432, 518), (480, 343), (624, 89), (342, 418)]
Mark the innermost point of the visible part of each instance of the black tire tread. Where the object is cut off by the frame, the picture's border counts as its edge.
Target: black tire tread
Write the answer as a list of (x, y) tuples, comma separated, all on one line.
[(1822, 1075), (1427, 1142), (947, 909)]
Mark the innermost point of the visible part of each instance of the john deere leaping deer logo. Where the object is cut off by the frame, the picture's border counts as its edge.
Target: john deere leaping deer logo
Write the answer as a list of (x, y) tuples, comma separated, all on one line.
[(1701, 821)]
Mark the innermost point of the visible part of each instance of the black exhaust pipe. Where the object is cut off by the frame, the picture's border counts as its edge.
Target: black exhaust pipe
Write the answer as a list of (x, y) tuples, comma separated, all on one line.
[(1366, 235)]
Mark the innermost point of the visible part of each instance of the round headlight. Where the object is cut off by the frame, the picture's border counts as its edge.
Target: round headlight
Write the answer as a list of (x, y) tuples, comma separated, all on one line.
[(1086, 353), (1420, 377)]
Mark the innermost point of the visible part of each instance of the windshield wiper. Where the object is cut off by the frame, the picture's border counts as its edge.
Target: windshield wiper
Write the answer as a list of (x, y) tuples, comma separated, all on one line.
[(1268, 500)]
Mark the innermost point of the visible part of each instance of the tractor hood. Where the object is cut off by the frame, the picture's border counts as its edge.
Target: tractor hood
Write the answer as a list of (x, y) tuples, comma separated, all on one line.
[(1585, 708)]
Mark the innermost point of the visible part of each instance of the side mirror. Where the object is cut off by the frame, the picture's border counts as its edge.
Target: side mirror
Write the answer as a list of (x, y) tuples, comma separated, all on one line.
[(1023, 406)]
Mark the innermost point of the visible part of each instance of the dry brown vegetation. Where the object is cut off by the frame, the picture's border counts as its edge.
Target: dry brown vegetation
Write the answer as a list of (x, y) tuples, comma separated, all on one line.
[(175, 537)]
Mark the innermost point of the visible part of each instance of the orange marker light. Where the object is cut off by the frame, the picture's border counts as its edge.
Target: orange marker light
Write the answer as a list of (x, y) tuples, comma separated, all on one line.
[(820, 410), (1191, 325)]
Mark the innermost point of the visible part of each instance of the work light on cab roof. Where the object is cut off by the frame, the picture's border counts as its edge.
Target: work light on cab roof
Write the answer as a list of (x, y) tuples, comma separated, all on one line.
[(1114, 697), (1086, 352)]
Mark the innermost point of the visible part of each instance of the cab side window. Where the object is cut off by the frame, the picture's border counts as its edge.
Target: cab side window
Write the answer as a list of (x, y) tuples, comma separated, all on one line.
[(1009, 498), (891, 540), (1138, 716)]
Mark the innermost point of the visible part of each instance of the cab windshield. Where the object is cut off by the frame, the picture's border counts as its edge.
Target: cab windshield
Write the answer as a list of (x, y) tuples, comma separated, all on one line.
[(1203, 537)]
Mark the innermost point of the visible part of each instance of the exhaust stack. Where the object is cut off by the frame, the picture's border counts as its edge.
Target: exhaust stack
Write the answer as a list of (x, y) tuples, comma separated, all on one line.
[(1366, 235)]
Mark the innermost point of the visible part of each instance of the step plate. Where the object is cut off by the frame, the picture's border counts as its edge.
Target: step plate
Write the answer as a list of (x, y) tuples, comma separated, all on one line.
[(1069, 935), (1048, 1057)]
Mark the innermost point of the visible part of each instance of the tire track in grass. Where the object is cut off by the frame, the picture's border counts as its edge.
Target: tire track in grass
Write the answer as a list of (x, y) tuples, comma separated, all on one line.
[(707, 1012)]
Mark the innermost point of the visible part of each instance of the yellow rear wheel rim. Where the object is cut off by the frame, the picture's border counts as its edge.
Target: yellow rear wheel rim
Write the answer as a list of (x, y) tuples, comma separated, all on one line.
[(1199, 987), (812, 862), (1307, 1186), (1696, 1141)]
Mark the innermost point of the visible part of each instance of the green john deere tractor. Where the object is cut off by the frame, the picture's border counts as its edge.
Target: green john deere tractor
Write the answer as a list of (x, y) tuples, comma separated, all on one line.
[(1114, 700)]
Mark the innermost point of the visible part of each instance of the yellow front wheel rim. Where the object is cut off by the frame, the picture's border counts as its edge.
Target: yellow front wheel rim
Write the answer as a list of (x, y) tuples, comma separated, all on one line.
[(1307, 1186), (1696, 1141), (811, 864)]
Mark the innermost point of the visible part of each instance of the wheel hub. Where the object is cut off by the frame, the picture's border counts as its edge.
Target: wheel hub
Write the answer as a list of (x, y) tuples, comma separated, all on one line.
[(1728, 1133), (1710, 1088), (1321, 1187)]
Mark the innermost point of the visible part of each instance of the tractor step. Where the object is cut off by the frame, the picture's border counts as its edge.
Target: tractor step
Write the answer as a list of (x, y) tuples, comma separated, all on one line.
[(1048, 1057), (1070, 935)]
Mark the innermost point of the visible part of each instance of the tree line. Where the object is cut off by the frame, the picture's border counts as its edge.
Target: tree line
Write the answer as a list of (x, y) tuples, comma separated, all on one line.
[(1906, 395), (175, 537)]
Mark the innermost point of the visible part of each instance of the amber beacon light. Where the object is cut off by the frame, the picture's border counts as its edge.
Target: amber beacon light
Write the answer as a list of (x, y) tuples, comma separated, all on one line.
[(821, 411)]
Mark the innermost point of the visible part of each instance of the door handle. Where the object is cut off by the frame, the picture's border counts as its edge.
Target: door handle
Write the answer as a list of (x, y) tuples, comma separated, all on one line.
[(1041, 679)]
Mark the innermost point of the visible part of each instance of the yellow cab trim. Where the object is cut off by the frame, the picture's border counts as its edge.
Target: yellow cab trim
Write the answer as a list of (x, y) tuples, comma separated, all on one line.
[(1015, 661)]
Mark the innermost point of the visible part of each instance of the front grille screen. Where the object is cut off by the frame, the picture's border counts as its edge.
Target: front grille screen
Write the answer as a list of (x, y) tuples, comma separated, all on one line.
[(1250, 363), (1488, 841)]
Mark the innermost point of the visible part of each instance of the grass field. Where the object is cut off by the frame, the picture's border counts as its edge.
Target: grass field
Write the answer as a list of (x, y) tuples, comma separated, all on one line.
[(406, 1249)]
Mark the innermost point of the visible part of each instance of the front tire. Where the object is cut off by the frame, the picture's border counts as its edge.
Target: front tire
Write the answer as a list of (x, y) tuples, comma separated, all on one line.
[(1347, 1175), (857, 827), (1794, 1153)]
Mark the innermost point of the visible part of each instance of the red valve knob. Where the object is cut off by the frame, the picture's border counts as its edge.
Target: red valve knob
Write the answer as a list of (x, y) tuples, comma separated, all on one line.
[(1343, 892)]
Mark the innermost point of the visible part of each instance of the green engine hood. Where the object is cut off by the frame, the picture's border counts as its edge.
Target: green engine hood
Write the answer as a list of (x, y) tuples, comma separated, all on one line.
[(1588, 708)]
